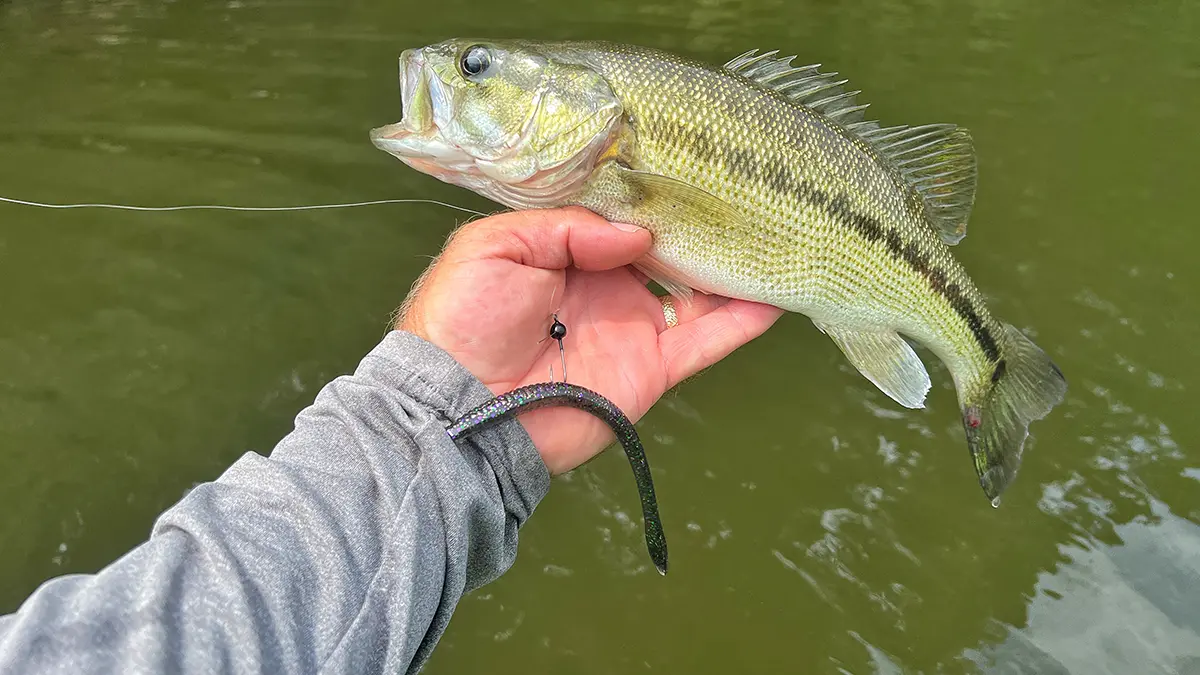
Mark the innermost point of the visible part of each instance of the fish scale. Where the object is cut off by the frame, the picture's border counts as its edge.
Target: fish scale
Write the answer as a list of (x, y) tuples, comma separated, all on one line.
[(806, 260), (759, 181)]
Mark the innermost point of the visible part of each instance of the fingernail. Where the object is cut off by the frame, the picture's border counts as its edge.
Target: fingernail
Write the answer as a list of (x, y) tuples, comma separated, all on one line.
[(625, 227)]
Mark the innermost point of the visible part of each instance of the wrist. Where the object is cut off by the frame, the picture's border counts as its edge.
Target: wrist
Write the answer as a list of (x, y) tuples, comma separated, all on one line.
[(436, 381)]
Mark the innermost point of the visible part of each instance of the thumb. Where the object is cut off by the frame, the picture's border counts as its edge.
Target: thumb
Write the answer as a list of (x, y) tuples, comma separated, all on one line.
[(550, 239)]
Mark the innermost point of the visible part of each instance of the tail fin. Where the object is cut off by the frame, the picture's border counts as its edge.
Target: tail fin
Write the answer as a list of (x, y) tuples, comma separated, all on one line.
[(1025, 386)]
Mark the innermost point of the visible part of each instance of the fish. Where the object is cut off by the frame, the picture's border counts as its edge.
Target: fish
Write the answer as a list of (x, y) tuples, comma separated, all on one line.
[(758, 180)]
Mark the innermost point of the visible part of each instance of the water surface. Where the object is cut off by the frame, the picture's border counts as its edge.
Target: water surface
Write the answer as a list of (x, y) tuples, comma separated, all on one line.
[(815, 527)]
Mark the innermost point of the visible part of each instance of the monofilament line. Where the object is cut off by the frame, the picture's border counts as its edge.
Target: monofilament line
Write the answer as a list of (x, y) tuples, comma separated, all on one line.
[(223, 207)]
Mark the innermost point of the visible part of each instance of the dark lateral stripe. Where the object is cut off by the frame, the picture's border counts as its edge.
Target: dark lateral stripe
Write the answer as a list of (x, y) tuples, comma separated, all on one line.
[(999, 371), (872, 230), (743, 164)]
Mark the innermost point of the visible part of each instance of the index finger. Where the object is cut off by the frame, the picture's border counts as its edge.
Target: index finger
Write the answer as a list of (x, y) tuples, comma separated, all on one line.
[(550, 239)]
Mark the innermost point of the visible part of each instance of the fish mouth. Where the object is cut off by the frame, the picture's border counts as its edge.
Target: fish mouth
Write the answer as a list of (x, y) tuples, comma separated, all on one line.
[(509, 171), (416, 138)]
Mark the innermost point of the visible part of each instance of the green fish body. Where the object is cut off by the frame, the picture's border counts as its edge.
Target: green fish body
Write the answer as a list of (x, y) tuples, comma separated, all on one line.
[(759, 181)]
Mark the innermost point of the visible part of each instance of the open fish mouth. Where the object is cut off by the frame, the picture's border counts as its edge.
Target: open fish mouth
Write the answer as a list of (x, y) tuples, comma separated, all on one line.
[(416, 139), (529, 146), (426, 148)]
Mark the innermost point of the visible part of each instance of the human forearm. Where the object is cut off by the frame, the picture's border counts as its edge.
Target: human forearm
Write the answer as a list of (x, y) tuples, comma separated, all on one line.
[(345, 550)]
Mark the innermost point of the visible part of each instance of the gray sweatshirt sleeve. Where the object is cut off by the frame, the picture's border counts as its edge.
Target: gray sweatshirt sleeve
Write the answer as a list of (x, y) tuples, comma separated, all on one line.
[(344, 551)]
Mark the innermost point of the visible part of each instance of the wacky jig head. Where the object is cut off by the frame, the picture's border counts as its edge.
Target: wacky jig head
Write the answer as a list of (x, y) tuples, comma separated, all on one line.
[(558, 331)]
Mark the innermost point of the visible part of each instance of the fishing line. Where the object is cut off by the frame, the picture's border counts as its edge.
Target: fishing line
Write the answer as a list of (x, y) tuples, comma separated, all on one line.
[(223, 207)]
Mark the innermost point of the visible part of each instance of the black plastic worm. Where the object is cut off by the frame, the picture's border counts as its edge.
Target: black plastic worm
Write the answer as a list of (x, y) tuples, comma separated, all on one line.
[(545, 394)]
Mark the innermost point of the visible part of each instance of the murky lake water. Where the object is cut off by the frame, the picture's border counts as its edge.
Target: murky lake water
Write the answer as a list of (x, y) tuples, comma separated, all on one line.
[(815, 527)]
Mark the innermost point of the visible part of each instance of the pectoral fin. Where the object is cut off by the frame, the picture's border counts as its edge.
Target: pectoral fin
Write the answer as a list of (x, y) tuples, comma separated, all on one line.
[(659, 203), (666, 200), (886, 360)]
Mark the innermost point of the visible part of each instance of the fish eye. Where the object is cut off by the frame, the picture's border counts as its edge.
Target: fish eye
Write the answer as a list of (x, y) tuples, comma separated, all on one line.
[(475, 62)]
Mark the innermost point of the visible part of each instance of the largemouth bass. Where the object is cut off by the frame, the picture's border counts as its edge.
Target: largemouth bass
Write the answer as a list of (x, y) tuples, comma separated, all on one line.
[(758, 180)]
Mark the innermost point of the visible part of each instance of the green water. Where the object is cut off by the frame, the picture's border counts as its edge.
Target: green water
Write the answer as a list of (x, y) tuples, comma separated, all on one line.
[(814, 526)]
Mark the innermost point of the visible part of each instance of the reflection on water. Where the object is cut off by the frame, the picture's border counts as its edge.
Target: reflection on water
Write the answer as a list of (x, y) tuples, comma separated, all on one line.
[(812, 522), (1129, 608)]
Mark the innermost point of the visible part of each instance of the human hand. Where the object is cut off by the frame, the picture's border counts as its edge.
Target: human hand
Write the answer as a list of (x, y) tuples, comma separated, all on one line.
[(488, 298)]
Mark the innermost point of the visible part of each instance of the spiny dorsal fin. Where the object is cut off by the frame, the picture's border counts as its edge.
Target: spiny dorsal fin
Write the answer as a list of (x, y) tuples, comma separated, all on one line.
[(821, 92), (937, 160)]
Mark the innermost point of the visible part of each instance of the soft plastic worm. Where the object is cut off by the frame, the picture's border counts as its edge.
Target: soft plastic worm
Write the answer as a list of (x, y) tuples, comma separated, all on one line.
[(546, 394)]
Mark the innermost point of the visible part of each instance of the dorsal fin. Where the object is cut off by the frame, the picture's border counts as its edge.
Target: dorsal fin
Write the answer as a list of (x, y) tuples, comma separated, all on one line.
[(806, 85), (937, 160)]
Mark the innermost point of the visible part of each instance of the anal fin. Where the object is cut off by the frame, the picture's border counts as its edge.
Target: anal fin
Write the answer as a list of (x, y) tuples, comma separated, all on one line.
[(886, 360)]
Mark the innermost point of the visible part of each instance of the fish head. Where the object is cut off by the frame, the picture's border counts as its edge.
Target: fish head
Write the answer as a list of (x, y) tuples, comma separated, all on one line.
[(503, 119)]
